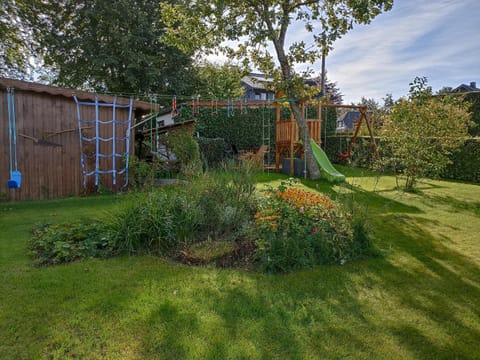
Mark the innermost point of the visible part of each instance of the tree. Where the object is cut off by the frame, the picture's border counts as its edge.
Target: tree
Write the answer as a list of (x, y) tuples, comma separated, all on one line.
[(219, 81), (15, 38), (113, 46), (422, 131), (255, 24), (445, 90)]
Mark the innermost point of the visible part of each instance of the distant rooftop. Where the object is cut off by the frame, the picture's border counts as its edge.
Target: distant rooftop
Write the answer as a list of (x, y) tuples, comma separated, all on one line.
[(466, 88), (256, 81)]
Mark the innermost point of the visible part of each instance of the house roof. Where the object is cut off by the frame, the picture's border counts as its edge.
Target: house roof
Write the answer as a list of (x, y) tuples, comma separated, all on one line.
[(257, 81), (66, 92), (348, 120), (466, 88)]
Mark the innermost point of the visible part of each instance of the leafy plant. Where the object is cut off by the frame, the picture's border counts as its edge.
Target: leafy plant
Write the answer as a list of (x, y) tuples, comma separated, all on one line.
[(422, 132), (298, 229), (186, 150), (63, 243), (153, 221), (164, 221)]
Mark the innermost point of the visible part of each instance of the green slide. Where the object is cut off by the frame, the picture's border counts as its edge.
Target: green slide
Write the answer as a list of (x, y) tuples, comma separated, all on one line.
[(328, 171)]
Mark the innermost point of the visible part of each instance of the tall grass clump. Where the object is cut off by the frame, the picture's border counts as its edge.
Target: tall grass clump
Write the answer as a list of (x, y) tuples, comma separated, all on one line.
[(165, 220), (156, 221)]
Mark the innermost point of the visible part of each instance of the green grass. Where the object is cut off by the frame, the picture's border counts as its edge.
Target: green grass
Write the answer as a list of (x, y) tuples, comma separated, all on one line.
[(419, 299)]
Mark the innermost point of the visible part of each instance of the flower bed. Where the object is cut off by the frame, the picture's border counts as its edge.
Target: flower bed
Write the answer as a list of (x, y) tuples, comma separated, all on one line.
[(297, 228)]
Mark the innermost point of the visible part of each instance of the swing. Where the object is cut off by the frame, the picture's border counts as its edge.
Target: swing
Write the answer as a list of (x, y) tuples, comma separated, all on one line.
[(15, 180), (342, 155)]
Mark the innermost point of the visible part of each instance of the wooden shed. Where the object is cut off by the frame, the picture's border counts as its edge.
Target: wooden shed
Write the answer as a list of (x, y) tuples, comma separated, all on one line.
[(48, 145)]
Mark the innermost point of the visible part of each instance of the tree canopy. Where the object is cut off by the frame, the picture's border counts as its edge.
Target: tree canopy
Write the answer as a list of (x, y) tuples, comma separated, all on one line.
[(206, 24), (15, 38), (219, 81), (108, 46)]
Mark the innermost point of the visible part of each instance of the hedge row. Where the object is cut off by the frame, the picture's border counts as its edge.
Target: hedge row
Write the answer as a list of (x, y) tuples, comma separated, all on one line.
[(245, 128), (213, 151), (465, 162), (474, 99)]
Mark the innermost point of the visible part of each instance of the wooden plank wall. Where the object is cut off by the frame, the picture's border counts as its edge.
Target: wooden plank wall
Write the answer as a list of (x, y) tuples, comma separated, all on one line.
[(49, 159), (287, 131)]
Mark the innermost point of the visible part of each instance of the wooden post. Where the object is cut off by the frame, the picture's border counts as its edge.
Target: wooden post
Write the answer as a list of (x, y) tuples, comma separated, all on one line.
[(320, 120)]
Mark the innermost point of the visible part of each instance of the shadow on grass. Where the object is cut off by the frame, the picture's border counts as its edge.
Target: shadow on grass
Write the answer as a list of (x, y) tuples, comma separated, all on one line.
[(420, 300), (436, 284), (453, 203)]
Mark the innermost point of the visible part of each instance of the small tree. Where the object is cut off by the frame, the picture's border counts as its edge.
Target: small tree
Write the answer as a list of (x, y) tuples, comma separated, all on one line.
[(422, 131), (219, 81)]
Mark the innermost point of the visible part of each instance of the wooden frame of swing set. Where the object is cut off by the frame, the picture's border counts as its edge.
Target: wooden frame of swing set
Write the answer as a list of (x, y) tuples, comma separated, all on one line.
[(288, 135)]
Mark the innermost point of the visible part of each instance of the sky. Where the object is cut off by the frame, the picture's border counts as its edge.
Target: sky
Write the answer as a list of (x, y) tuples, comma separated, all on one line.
[(438, 39)]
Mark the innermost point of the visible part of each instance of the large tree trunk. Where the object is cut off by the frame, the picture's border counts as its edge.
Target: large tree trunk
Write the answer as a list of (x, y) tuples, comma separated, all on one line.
[(312, 166), (291, 93)]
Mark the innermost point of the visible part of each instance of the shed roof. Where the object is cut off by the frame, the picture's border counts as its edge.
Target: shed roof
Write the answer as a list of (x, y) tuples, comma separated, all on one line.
[(66, 92)]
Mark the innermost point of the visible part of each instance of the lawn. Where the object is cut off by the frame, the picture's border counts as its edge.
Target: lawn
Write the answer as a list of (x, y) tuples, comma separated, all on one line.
[(418, 299)]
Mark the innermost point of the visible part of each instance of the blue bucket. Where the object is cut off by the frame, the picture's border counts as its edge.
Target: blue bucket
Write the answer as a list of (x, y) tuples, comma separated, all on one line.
[(16, 180)]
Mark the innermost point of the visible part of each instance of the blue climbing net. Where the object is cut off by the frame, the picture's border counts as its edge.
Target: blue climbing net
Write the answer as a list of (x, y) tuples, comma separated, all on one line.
[(114, 140)]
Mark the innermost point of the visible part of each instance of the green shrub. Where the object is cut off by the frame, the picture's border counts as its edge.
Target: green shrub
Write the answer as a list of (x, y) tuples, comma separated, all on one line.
[(227, 202), (298, 229), (186, 150), (212, 151), (63, 243), (141, 173), (473, 99)]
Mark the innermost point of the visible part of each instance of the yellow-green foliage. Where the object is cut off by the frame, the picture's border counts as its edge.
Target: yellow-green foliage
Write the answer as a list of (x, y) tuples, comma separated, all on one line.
[(422, 132)]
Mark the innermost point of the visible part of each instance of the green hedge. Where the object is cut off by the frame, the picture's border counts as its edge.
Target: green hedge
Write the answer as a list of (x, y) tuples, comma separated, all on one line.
[(213, 151), (245, 130), (465, 166), (466, 163), (474, 100)]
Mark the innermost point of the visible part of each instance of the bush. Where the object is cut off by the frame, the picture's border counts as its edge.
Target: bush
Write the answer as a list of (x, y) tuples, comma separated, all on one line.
[(212, 151), (186, 150), (56, 244), (153, 222), (298, 229)]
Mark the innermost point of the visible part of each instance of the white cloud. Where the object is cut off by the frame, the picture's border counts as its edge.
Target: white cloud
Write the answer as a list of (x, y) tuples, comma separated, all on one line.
[(438, 39), (434, 39)]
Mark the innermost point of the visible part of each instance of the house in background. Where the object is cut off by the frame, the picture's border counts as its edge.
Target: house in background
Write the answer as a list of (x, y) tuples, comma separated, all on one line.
[(463, 88), (346, 122), (257, 87)]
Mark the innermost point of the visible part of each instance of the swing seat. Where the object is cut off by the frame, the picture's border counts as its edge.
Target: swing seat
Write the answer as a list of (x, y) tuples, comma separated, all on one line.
[(15, 181), (343, 156)]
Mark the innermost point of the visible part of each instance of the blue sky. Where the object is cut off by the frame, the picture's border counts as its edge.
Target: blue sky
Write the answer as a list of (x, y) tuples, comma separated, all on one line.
[(439, 39)]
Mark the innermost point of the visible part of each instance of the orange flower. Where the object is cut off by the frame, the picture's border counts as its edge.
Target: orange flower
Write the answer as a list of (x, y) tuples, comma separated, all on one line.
[(299, 198)]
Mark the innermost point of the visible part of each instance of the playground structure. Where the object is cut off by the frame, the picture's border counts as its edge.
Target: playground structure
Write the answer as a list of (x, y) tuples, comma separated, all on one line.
[(106, 136), (289, 143)]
